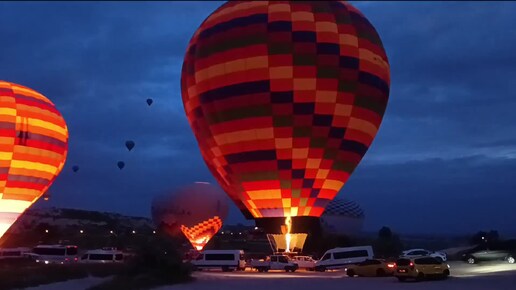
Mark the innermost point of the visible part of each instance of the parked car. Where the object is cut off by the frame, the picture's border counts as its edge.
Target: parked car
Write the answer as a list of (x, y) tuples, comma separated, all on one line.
[(423, 253), (275, 262), (421, 268), (371, 268), (490, 252), (341, 257), (226, 260), (304, 262)]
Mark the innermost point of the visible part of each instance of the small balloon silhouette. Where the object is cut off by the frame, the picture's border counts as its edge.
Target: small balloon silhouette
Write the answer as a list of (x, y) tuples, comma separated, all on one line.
[(149, 102), (129, 144), (121, 164), (75, 168)]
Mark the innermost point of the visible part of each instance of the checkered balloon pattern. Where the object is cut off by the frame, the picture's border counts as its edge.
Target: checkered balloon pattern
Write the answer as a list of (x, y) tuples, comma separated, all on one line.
[(284, 99), (33, 149), (200, 234), (344, 207)]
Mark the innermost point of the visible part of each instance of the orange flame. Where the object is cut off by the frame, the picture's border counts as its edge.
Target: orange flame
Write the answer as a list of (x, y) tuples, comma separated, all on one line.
[(288, 224)]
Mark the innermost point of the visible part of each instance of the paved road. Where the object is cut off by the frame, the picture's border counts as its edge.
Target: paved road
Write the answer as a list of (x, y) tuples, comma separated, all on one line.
[(493, 276)]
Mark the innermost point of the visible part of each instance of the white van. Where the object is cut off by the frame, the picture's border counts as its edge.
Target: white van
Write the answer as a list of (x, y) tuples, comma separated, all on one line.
[(226, 260), (14, 253), (340, 257), (55, 254), (103, 256)]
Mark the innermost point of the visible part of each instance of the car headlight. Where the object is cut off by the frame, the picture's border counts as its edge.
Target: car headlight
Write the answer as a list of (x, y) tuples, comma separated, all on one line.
[(448, 266)]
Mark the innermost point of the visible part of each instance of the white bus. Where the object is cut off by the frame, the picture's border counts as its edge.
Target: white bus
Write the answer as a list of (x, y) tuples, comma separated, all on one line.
[(226, 260), (14, 253), (340, 257), (103, 256), (55, 254)]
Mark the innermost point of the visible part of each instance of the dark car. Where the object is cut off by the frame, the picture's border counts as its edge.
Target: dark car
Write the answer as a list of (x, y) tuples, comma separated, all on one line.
[(491, 252)]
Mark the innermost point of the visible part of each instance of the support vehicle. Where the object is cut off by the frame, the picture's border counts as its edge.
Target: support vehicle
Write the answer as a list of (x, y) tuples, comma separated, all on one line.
[(338, 258), (55, 254), (226, 260), (304, 262), (413, 253), (421, 268), (501, 251), (371, 268), (103, 256), (275, 262)]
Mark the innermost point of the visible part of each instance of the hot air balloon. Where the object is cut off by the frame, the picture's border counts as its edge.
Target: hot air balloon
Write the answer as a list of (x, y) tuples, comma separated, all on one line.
[(121, 164), (75, 168), (149, 102), (32, 152), (46, 196), (197, 211), (343, 217), (129, 144), (284, 99)]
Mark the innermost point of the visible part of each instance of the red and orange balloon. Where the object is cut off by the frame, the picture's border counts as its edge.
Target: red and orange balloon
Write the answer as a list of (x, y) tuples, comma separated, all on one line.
[(284, 98), (33, 149), (197, 211)]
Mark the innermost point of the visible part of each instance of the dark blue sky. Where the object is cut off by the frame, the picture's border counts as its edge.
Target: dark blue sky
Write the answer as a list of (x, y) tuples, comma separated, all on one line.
[(443, 161)]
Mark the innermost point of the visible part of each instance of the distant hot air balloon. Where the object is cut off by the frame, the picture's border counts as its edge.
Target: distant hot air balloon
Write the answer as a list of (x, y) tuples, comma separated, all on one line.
[(32, 152), (343, 217), (129, 144), (121, 164), (46, 196), (198, 211), (284, 99), (149, 102), (75, 168)]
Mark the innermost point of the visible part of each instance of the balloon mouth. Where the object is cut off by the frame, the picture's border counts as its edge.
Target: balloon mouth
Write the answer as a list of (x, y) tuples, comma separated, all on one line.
[(297, 224)]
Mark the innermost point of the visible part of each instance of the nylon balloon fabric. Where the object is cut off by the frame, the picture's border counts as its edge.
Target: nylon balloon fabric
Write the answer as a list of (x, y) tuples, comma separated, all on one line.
[(33, 149), (284, 99)]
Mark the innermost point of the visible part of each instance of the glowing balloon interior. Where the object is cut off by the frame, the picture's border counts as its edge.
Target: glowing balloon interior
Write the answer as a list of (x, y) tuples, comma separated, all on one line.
[(33, 149), (284, 99), (200, 234), (197, 211)]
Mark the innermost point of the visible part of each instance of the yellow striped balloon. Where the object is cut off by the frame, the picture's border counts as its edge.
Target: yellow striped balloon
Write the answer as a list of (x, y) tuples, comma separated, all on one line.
[(33, 149)]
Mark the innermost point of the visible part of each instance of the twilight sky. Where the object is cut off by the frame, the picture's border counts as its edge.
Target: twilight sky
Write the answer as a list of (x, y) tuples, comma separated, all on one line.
[(443, 161)]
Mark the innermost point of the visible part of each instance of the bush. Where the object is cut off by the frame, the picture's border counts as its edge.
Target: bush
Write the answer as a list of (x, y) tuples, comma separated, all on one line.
[(153, 266)]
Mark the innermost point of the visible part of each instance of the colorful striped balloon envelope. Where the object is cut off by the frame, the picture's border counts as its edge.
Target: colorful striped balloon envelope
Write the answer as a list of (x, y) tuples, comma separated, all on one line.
[(284, 99), (33, 149)]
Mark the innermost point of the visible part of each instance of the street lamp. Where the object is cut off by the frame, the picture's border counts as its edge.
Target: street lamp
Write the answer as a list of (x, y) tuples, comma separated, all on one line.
[(81, 231), (46, 231), (134, 232)]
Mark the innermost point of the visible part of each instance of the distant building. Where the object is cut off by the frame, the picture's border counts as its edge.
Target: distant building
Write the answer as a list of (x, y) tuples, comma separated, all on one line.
[(343, 217)]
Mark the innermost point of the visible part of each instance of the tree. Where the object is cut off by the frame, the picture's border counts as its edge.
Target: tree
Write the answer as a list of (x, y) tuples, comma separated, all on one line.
[(387, 244), (477, 238), (385, 233), (485, 237)]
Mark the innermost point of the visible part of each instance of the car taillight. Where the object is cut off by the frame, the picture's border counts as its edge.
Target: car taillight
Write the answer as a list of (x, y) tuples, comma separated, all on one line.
[(75, 259), (411, 265), (391, 265), (66, 259)]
